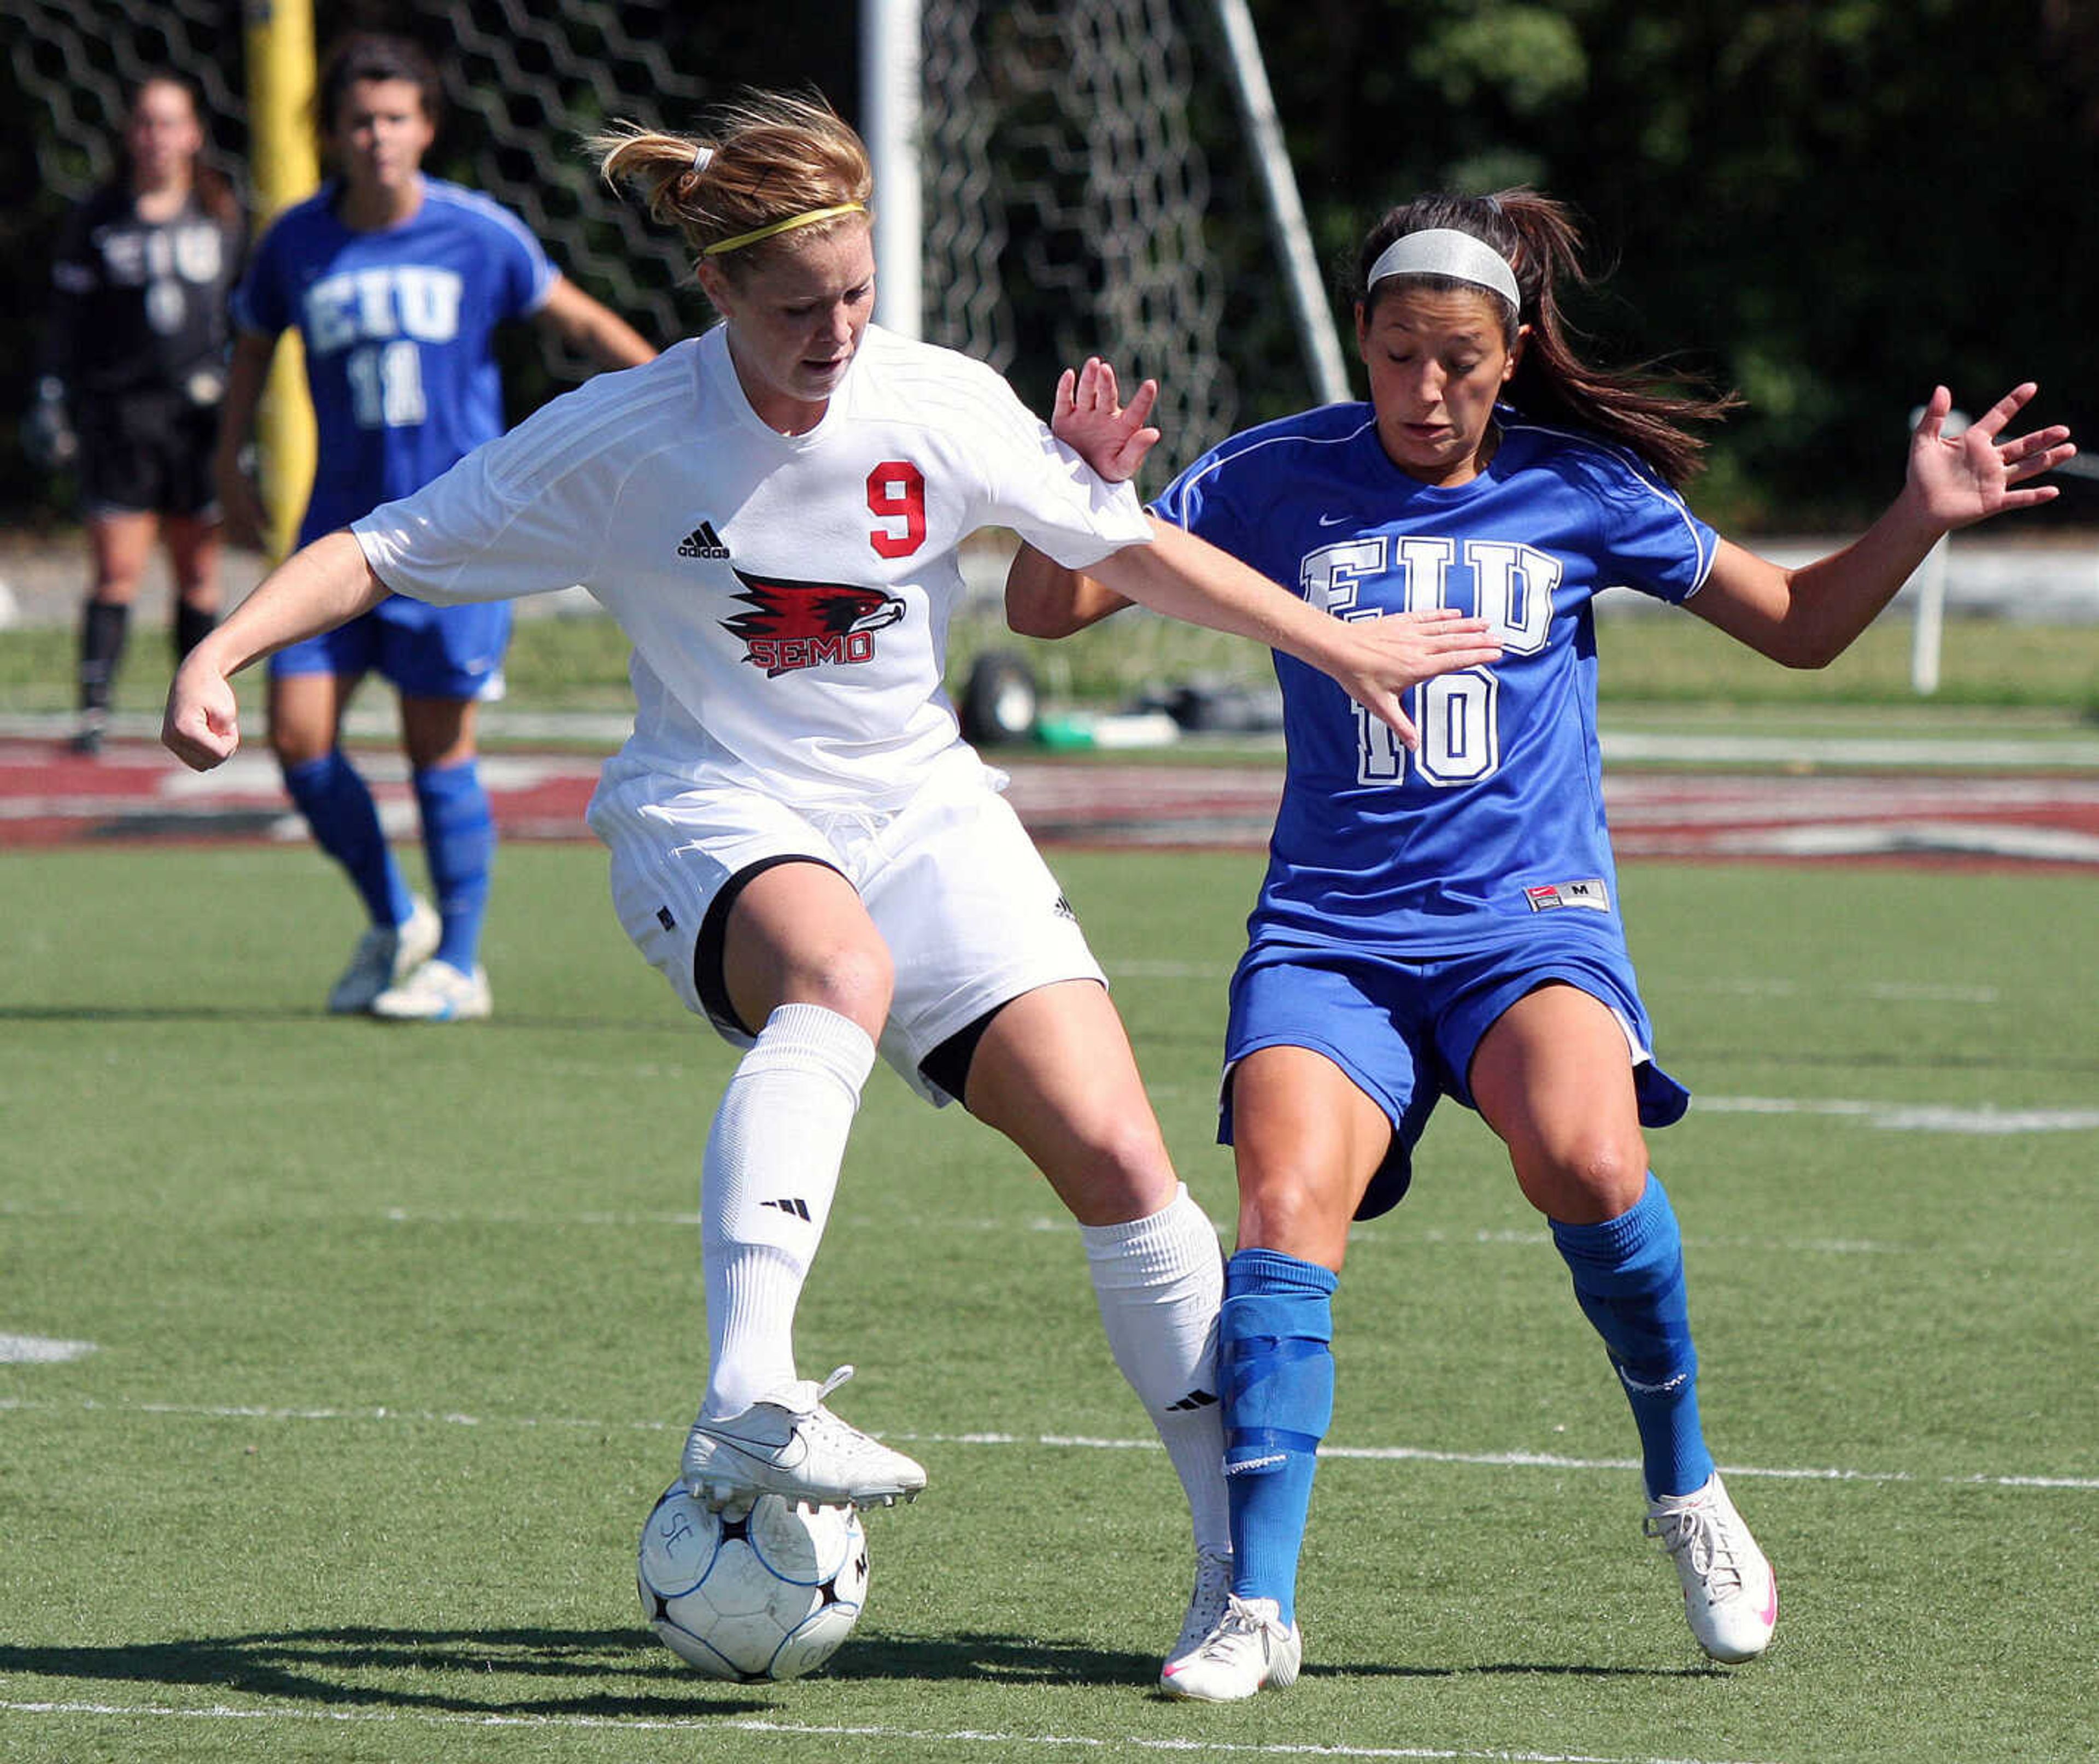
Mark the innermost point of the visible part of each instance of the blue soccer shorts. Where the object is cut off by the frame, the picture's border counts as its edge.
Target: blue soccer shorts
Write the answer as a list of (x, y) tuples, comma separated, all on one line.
[(425, 651), (1405, 1031)]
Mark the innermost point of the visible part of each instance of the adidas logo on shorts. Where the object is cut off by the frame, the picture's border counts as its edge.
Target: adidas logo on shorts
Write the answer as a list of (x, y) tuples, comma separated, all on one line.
[(703, 542)]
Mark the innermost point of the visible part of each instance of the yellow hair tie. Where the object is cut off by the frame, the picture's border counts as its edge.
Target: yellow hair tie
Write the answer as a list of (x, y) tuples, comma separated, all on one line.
[(788, 225)]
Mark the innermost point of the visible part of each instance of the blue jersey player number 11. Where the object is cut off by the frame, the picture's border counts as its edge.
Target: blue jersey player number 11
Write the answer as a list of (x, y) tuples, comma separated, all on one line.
[(396, 284)]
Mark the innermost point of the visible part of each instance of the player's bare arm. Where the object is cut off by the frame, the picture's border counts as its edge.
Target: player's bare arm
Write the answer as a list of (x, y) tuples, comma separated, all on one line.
[(1376, 661), (240, 500), (594, 328), (322, 586), (1042, 598), (1808, 617)]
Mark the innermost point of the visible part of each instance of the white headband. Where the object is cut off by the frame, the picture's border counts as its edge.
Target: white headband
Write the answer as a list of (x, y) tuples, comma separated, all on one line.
[(1444, 251)]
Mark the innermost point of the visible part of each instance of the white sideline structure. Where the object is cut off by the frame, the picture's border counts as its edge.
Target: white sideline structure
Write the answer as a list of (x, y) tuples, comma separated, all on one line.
[(2067, 592), (1927, 635)]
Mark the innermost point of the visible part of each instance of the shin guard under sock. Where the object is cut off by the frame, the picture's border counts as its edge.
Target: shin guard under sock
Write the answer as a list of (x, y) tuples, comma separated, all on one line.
[(1629, 1279), (766, 1186), (1275, 1356), (344, 821), (459, 848), (1159, 1282)]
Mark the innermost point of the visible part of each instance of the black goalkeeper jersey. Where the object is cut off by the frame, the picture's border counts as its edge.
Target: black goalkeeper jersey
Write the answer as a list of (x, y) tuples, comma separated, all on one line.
[(141, 306)]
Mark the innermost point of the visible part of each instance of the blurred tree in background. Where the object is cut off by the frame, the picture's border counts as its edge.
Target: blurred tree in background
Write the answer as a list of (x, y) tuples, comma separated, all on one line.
[(1826, 205)]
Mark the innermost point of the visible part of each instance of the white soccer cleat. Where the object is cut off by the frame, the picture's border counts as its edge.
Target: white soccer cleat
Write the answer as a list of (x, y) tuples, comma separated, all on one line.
[(1251, 1649), (791, 1444), (385, 955), (1729, 1593), (435, 993), (1206, 1607)]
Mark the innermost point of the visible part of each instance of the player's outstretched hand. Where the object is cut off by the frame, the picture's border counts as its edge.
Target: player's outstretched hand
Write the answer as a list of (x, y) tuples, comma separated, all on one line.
[(1090, 419), (1962, 478), (1396, 652), (201, 726)]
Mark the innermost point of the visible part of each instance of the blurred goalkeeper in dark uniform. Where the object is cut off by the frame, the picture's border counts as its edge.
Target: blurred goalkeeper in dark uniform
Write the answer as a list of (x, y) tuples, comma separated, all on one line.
[(134, 367)]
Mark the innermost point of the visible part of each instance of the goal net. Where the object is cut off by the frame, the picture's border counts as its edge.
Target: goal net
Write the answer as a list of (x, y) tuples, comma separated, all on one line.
[(1066, 198)]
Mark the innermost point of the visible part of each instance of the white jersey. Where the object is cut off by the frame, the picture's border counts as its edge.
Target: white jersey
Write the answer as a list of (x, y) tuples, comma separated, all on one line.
[(787, 596)]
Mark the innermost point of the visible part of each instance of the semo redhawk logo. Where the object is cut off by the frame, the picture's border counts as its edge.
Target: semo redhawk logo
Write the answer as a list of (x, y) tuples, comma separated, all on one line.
[(807, 624)]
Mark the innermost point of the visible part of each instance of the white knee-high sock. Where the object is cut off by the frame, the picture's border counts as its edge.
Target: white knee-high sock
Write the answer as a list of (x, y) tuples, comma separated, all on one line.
[(766, 1185), (1160, 1283)]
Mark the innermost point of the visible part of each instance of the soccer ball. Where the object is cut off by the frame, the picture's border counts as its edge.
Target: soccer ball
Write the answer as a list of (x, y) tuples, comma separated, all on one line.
[(767, 1590)]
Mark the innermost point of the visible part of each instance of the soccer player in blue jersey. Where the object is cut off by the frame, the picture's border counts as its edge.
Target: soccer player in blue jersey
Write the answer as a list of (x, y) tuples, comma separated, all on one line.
[(396, 283), (1442, 920)]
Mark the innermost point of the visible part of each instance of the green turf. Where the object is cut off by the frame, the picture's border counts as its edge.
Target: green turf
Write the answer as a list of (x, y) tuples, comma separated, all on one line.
[(397, 1331)]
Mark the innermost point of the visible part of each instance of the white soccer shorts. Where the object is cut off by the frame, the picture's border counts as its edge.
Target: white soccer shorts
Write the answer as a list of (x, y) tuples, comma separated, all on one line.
[(970, 911)]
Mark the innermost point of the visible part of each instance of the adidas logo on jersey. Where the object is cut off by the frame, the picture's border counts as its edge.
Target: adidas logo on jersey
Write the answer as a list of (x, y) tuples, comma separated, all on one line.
[(703, 542)]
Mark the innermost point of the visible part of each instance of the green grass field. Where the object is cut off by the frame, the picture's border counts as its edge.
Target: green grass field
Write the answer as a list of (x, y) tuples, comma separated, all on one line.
[(396, 1332)]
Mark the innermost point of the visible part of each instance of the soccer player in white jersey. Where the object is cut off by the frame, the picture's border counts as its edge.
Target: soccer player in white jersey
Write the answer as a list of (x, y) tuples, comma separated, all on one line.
[(1444, 921), (396, 284), (801, 843)]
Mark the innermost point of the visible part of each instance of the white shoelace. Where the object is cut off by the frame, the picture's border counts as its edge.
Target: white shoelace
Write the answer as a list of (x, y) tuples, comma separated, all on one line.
[(1715, 1558), (1238, 1623), (824, 1389), (823, 1425)]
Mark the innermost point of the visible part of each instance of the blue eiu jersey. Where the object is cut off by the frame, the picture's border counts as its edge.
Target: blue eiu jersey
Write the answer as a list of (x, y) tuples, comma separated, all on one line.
[(1496, 822), (398, 327)]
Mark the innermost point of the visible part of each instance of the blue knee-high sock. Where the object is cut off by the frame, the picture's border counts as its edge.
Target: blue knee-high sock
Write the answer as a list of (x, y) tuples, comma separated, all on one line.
[(458, 844), (1628, 1277), (344, 821), (1275, 1363)]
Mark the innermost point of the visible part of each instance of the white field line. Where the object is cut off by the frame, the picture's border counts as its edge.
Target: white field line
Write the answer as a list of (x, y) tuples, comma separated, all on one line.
[(1506, 1460), (41, 1350), (1911, 1117), (784, 1730), (1385, 1233)]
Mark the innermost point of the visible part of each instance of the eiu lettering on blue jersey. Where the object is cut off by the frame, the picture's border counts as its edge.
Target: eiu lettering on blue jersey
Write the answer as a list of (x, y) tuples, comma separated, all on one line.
[(398, 327), (1497, 819)]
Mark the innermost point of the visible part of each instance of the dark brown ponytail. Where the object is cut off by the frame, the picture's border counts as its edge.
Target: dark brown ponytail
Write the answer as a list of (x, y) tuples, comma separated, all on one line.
[(1631, 407)]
